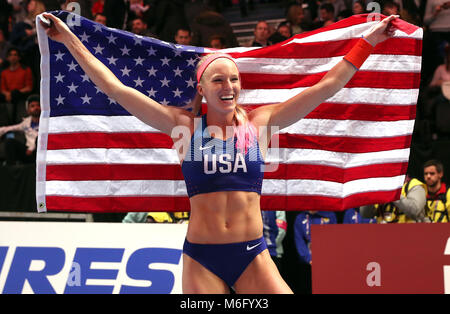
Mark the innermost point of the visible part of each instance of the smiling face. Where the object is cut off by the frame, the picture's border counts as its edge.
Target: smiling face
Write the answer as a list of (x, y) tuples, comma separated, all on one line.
[(220, 85)]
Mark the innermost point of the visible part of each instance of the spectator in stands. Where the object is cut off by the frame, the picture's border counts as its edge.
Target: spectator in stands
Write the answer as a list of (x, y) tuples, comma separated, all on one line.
[(326, 14), (139, 7), (274, 231), (139, 27), (19, 11), (438, 197), (410, 207), (261, 34), (390, 8), (16, 151), (4, 48), (283, 32), (16, 83), (338, 6), (156, 217), (296, 18), (359, 7), (209, 23), (353, 216), (217, 42), (183, 36), (302, 231), (442, 72), (437, 17), (100, 18), (434, 96), (135, 217), (410, 12), (437, 22), (97, 7), (23, 34)]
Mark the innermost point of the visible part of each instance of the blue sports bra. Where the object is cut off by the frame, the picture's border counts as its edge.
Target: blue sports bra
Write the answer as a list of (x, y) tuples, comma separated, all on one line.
[(212, 165)]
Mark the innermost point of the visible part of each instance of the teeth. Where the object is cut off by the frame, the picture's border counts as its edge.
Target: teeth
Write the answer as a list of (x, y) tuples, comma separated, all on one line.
[(227, 98)]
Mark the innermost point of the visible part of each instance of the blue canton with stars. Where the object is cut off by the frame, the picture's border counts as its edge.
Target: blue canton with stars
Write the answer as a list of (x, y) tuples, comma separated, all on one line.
[(162, 71)]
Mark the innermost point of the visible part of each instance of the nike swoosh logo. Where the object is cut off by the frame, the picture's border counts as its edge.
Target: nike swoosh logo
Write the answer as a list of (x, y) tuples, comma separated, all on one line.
[(203, 148), (249, 248)]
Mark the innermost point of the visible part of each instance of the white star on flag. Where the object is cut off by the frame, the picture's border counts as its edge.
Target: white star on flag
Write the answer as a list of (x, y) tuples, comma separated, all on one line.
[(72, 88), (138, 82), (86, 99), (111, 39), (112, 60), (152, 72), (151, 52), (60, 99), (178, 71), (177, 93), (191, 83), (151, 93), (59, 78), (85, 77), (165, 82), (191, 62), (59, 56), (137, 40), (99, 49), (165, 61), (139, 61), (125, 71), (125, 51), (97, 28), (84, 37), (72, 66)]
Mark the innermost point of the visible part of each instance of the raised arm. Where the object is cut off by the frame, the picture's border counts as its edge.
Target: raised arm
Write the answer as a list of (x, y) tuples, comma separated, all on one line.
[(286, 113), (163, 118)]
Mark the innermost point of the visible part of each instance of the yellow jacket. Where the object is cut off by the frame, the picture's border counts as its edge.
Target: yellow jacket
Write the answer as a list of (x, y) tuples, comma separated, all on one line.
[(438, 205), (389, 213)]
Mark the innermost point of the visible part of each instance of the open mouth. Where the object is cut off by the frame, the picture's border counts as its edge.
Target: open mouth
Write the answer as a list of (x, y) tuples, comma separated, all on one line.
[(227, 98)]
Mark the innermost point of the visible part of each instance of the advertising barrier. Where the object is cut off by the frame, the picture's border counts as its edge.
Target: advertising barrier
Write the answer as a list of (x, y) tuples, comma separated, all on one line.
[(381, 258), (51, 257)]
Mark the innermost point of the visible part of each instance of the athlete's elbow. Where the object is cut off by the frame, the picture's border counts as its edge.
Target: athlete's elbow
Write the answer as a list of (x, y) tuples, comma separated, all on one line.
[(114, 89)]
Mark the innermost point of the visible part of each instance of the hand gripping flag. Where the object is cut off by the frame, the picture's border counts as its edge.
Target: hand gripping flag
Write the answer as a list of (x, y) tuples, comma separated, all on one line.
[(352, 150)]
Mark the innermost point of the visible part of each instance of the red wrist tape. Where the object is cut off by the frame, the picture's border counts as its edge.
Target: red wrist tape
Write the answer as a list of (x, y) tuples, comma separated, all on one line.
[(359, 53)]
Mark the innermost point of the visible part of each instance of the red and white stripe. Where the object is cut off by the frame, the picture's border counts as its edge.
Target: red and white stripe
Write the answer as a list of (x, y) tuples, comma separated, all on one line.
[(352, 150)]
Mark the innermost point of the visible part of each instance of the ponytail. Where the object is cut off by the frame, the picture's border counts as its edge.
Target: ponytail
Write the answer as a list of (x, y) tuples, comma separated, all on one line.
[(244, 130)]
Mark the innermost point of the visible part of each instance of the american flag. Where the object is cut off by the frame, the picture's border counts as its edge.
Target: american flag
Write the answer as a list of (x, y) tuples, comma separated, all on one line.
[(93, 156)]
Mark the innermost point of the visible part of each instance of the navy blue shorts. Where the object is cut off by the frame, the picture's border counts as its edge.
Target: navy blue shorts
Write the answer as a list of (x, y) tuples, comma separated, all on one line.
[(227, 261)]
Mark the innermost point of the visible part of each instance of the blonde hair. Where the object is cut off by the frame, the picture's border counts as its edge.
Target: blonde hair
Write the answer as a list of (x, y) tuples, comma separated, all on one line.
[(244, 130)]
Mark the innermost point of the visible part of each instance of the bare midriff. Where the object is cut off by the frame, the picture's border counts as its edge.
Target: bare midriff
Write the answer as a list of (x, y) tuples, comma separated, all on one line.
[(225, 217)]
